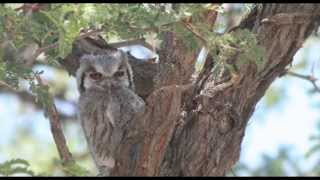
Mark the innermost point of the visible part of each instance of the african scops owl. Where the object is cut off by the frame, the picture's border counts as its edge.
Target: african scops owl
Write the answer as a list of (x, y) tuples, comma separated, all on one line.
[(107, 103)]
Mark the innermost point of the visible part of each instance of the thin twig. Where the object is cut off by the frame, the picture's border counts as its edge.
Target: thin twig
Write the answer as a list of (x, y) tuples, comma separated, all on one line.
[(149, 29), (185, 21), (56, 130), (309, 78), (192, 29), (27, 98), (7, 86), (56, 44)]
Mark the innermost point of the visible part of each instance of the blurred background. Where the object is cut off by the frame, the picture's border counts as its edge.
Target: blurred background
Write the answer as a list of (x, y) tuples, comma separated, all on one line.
[(282, 137)]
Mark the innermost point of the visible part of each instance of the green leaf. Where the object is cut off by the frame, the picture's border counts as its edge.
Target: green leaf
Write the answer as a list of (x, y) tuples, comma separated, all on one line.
[(42, 94), (241, 41), (313, 150), (73, 169), (15, 166)]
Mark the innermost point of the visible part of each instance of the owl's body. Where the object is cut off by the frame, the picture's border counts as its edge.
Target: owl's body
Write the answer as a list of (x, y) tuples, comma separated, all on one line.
[(107, 103)]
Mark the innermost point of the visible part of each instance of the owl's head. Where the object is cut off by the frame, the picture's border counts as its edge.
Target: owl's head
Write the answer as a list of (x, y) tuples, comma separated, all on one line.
[(103, 71)]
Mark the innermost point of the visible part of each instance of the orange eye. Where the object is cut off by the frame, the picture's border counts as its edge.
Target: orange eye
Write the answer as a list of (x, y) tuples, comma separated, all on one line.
[(95, 76)]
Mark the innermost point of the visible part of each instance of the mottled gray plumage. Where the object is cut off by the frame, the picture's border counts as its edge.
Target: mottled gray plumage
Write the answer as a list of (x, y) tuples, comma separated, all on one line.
[(107, 103)]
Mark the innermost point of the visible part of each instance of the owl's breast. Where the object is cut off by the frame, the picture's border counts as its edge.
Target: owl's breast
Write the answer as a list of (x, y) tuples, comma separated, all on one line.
[(96, 122)]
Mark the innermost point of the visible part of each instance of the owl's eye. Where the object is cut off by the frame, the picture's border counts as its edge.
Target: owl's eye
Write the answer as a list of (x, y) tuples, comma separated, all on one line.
[(95, 76), (119, 74)]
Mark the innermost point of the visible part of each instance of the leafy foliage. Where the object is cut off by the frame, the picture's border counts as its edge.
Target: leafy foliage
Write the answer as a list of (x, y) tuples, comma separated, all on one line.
[(315, 149), (241, 45), (60, 24), (10, 74), (22, 167), (282, 164), (15, 166), (73, 169), (43, 96)]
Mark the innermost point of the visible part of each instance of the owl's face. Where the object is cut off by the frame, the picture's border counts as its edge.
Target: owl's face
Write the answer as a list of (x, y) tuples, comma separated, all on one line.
[(104, 71)]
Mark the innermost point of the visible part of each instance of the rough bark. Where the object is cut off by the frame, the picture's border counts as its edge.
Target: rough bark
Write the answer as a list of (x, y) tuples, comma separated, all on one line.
[(197, 130)]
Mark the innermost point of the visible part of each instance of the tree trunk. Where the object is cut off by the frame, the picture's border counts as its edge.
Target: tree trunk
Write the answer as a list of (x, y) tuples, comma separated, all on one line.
[(195, 127)]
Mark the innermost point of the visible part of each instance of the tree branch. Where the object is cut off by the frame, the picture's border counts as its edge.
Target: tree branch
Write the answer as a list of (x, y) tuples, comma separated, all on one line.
[(4, 85), (56, 44), (309, 78), (56, 130), (27, 97), (192, 29)]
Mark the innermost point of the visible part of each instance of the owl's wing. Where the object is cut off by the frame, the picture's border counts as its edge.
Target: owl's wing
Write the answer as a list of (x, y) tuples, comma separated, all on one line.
[(126, 106)]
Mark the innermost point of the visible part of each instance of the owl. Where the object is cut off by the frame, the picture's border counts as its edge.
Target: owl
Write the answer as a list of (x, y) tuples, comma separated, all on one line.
[(107, 104)]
